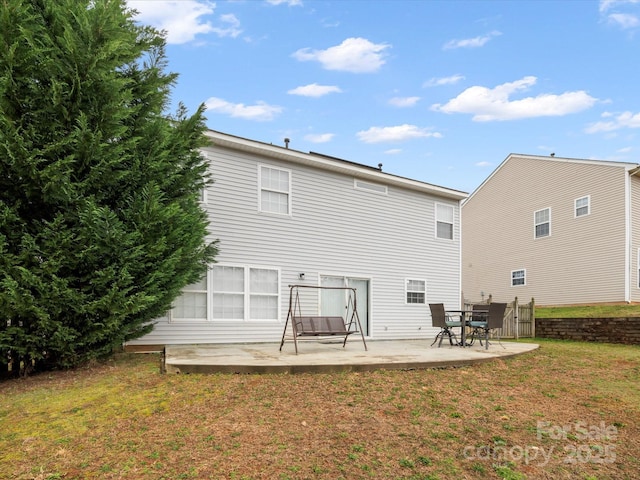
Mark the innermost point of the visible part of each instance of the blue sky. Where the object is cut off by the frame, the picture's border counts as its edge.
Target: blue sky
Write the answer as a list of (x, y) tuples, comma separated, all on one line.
[(437, 91)]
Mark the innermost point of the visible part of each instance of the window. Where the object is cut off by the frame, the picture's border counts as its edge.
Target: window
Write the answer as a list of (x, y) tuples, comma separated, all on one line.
[(444, 221), (542, 219), (245, 293), (518, 277), (583, 206), (416, 291), (372, 187), (192, 304), (275, 190)]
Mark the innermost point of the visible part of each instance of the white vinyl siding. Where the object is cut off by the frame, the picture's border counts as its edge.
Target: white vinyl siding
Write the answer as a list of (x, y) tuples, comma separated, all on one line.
[(518, 277), (444, 221), (583, 206), (542, 223), (334, 230), (275, 190), (415, 291)]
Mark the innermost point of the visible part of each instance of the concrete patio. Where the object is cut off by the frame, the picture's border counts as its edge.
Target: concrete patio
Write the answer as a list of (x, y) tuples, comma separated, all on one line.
[(330, 356)]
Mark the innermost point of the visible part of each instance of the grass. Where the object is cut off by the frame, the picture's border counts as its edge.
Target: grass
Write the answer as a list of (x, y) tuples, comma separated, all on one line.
[(568, 410), (589, 311)]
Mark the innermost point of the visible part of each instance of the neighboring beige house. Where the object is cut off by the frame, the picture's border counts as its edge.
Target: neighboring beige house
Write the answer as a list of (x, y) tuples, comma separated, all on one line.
[(560, 230)]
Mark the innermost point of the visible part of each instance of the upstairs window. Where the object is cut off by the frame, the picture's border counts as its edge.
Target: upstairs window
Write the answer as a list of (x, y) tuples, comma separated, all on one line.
[(416, 291), (583, 206), (542, 220), (444, 221), (275, 190), (518, 277)]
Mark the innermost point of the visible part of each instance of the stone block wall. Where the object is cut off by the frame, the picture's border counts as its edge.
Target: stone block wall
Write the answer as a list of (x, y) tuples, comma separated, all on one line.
[(610, 330)]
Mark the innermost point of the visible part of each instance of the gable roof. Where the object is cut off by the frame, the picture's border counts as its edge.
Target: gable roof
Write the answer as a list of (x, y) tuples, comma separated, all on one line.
[(632, 168), (325, 162)]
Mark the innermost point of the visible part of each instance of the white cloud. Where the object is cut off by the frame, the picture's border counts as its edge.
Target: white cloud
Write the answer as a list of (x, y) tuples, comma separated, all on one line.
[(183, 20), (314, 90), (438, 82), (624, 20), (393, 151), (490, 104), (471, 42), (398, 133), (605, 5), (261, 111), (356, 55), (483, 164), (617, 122), (404, 101), (291, 3), (319, 137)]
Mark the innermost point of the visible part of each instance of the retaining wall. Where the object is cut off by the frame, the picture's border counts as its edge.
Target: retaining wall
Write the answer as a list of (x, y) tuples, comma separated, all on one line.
[(611, 330)]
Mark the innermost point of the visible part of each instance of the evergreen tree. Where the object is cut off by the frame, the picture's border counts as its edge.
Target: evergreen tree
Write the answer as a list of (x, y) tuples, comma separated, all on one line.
[(100, 225)]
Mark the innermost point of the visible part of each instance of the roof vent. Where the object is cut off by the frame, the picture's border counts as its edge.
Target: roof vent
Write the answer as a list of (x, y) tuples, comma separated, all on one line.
[(380, 166), (553, 154), (286, 143)]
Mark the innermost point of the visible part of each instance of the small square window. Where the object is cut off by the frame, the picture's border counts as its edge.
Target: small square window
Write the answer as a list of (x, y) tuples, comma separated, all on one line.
[(416, 291), (518, 277)]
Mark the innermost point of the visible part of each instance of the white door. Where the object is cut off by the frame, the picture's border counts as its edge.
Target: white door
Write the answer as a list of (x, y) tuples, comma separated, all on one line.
[(336, 302)]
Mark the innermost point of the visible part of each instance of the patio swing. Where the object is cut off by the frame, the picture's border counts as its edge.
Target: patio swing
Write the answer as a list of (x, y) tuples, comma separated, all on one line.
[(321, 326)]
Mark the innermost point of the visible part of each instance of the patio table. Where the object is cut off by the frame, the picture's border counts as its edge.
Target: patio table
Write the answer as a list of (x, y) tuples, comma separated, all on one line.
[(465, 318)]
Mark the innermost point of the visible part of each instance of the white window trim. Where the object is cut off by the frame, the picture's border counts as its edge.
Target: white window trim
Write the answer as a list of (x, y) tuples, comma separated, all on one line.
[(536, 224), (246, 295), (260, 189), (575, 207), (524, 271), (370, 187), (406, 291), (452, 222)]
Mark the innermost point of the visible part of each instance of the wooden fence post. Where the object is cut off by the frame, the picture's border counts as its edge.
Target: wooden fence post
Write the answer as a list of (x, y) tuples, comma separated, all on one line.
[(533, 318), (516, 316)]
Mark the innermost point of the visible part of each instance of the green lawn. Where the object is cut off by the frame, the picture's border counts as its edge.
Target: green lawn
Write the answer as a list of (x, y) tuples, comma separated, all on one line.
[(569, 410), (596, 311)]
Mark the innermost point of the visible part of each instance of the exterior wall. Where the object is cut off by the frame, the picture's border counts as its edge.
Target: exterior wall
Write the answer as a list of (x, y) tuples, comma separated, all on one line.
[(334, 229), (582, 261), (634, 263)]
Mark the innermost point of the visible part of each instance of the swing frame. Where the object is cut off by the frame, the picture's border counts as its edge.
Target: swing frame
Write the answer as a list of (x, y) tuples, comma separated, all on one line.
[(321, 326)]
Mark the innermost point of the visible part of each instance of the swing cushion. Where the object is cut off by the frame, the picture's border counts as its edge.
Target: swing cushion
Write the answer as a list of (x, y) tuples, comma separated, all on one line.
[(313, 326)]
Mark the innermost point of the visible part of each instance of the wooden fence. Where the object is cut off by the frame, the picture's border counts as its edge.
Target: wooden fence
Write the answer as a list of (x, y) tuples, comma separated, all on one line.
[(518, 318)]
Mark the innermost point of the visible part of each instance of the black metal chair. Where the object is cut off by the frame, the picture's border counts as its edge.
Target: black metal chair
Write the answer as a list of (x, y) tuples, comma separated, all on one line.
[(493, 320), (439, 318)]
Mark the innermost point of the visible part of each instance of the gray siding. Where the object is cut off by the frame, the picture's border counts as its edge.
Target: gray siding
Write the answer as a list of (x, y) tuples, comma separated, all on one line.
[(583, 261), (334, 229)]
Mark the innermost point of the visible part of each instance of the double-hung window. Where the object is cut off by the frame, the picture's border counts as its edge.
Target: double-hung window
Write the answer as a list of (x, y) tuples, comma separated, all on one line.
[(582, 206), (245, 293), (518, 277), (444, 221), (416, 291), (275, 190), (542, 221)]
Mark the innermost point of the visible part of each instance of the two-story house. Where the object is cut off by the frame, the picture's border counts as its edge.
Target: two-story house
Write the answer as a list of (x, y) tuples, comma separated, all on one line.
[(286, 217), (562, 231)]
